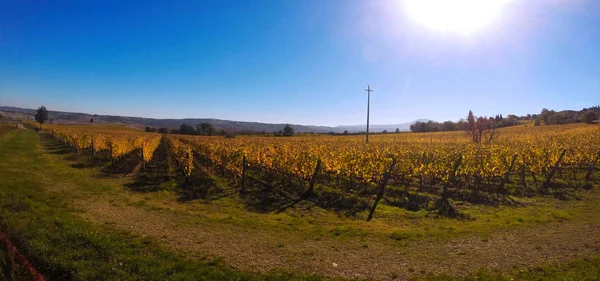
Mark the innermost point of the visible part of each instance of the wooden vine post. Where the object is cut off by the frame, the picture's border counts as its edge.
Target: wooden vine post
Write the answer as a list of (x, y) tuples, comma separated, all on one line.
[(554, 169), (522, 175), (506, 177), (93, 149), (111, 153), (311, 184), (143, 161), (444, 206), (386, 177), (309, 192), (588, 176), (244, 164), (451, 177)]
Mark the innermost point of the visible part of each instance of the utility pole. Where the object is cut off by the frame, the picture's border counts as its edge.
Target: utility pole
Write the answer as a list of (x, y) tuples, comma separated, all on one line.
[(368, 90)]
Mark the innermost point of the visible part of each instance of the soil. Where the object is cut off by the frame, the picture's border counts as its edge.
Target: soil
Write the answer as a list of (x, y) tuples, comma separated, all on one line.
[(258, 250)]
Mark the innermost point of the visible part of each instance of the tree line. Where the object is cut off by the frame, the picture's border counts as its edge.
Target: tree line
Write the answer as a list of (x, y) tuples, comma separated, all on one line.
[(202, 129), (208, 129), (498, 121), (548, 117), (587, 115)]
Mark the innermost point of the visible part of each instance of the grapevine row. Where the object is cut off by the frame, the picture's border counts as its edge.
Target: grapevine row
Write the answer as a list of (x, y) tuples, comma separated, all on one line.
[(418, 159), (117, 144)]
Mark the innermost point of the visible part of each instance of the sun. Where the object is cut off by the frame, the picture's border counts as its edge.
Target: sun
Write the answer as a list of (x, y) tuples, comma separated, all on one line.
[(464, 17)]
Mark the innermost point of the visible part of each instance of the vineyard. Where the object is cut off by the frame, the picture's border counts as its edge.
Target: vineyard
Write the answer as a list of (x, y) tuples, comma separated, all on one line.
[(428, 171)]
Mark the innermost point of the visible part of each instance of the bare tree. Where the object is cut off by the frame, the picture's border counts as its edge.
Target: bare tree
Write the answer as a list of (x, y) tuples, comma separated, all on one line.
[(481, 129)]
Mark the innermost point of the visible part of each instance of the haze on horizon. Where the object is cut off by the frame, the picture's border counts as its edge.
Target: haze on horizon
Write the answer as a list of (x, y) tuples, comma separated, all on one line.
[(301, 62)]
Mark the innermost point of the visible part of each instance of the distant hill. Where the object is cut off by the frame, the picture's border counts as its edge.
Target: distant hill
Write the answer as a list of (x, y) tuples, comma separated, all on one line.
[(378, 128), (60, 117)]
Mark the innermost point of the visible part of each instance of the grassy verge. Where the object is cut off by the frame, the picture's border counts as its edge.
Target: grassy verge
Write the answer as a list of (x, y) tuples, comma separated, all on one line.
[(4, 128), (64, 247), (581, 270)]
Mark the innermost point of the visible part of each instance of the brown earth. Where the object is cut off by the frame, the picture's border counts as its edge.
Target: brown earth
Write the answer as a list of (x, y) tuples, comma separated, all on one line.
[(265, 251)]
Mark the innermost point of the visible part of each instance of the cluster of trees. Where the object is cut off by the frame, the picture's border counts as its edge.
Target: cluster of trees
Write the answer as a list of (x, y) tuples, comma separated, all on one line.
[(202, 129), (481, 129), (287, 131), (431, 126), (386, 131), (346, 133), (587, 115), (208, 129), (549, 117), (160, 130)]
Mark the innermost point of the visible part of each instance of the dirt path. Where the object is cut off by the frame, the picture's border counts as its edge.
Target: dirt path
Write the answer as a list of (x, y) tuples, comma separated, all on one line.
[(378, 259)]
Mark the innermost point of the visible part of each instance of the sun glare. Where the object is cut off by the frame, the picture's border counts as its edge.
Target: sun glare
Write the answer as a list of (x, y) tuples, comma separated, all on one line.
[(465, 17)]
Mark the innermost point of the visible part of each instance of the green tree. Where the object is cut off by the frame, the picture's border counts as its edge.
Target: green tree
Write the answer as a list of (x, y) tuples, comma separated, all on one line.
[(42, 115), (186, 129), (511, 120), (546, 115), (288, 131), (397, 130), (589, 117), (206, 129), (448, 126)]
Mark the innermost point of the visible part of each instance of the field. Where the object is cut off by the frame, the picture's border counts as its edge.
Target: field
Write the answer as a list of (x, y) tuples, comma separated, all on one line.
[(104, 202), (416, 171)]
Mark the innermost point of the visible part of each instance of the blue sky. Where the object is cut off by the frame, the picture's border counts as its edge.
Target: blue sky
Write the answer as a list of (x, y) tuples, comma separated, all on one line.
[(301, 62)]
